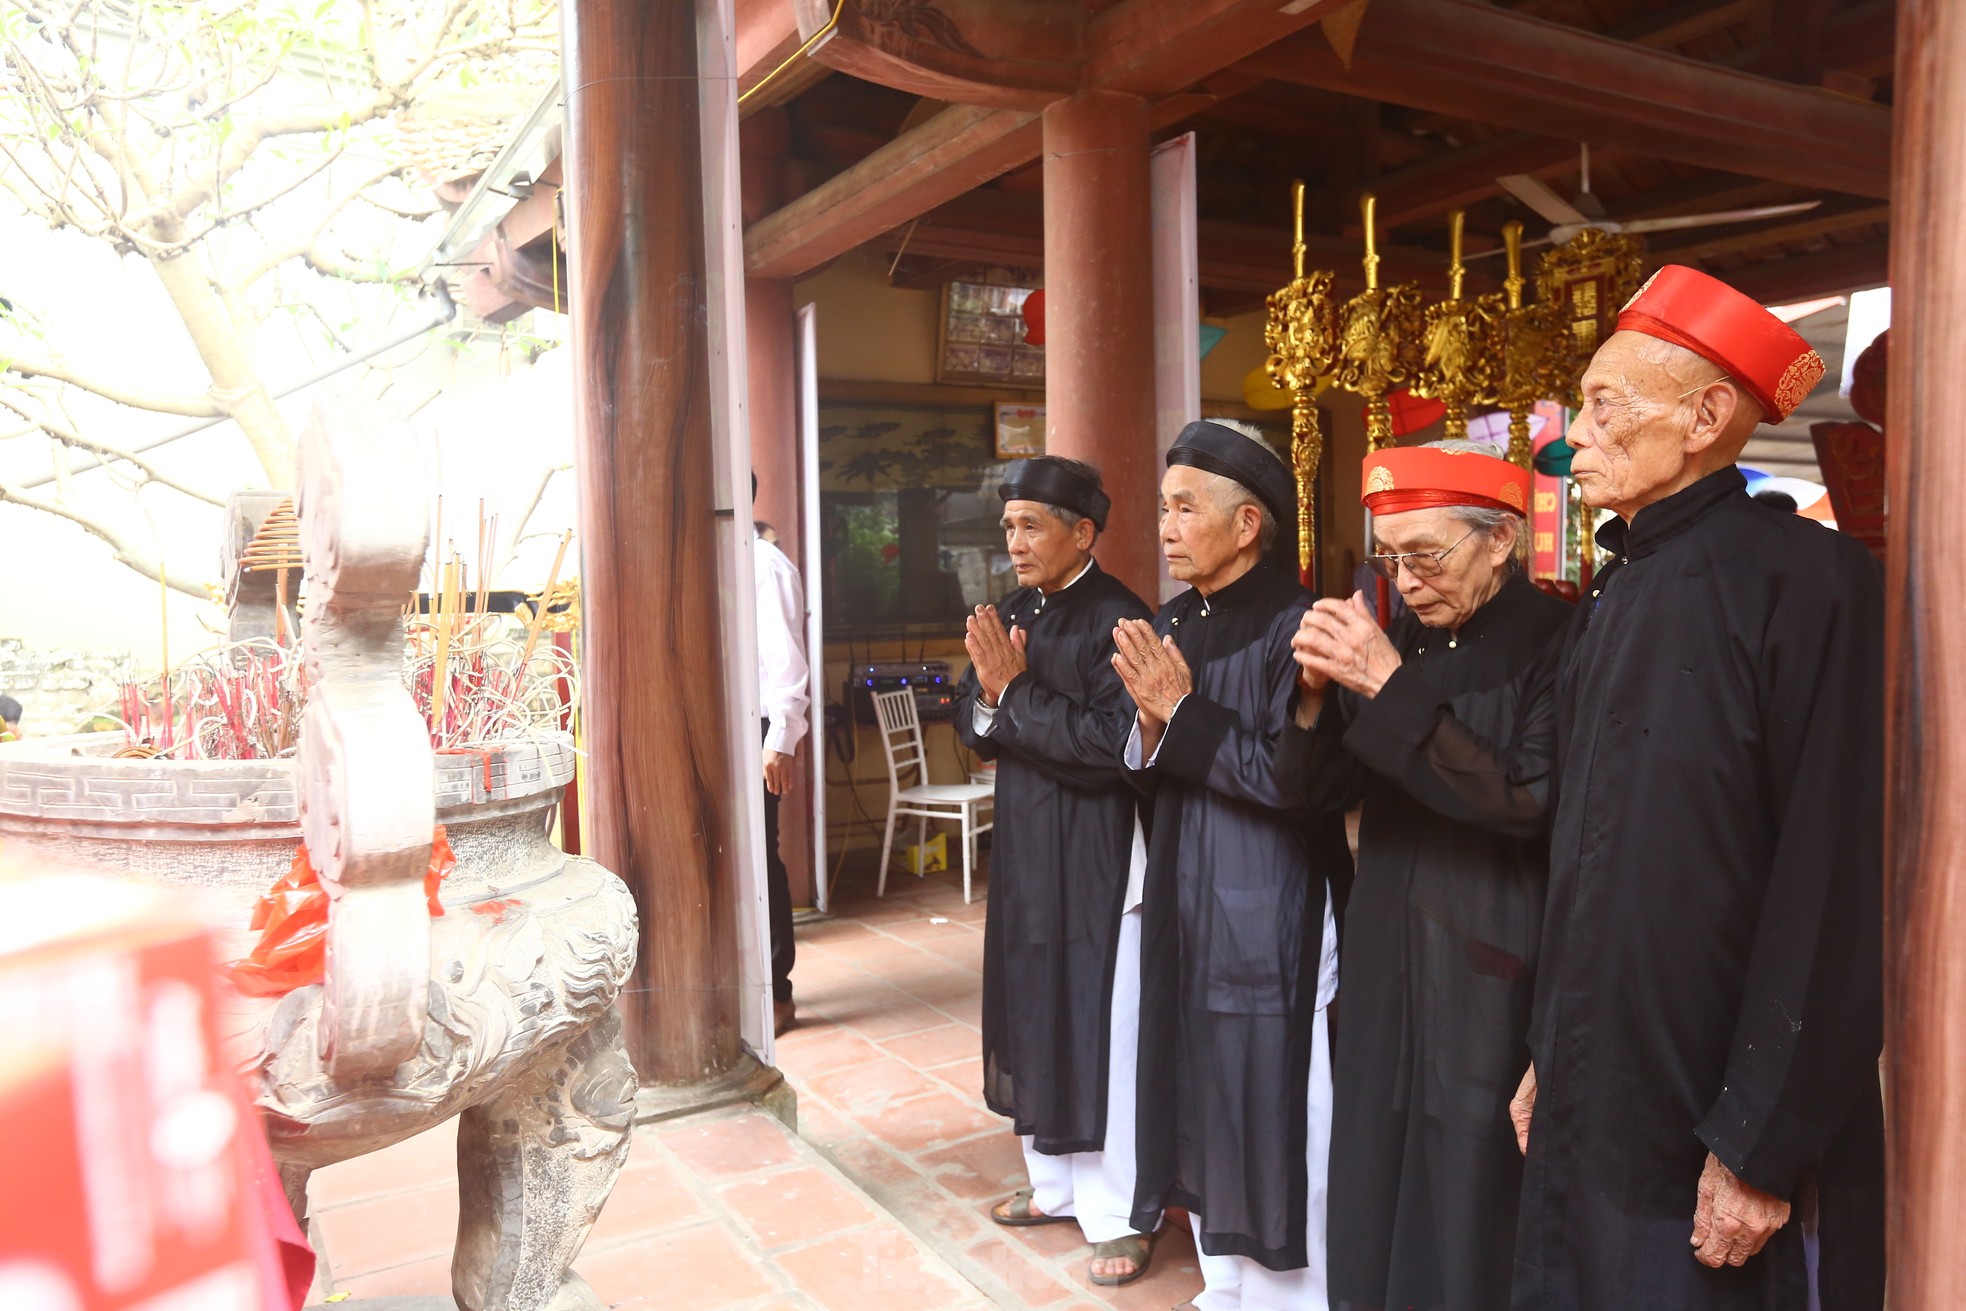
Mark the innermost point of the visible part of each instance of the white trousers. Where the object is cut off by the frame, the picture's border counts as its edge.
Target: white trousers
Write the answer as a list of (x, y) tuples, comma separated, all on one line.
[(1096, 1188), (1236, 1283)]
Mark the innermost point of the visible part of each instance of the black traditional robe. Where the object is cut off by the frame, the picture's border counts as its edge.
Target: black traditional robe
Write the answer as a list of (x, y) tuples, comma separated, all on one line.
[(1712, 948), (1232, 933), (1058, 861), (1440, 936)]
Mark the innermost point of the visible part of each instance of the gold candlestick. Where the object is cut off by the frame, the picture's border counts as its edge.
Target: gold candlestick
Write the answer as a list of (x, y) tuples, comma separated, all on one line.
[(1536, 352), (1302, 334), (1380, 338), (1462, 337)]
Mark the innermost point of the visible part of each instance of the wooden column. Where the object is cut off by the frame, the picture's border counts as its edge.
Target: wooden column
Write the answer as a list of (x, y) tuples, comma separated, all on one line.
[(1099, 316), (771, 365), (653, 658), (1925, 759)]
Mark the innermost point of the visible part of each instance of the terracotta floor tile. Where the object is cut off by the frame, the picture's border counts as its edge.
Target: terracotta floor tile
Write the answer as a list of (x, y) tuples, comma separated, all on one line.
[(829, 931), (892, 1019), (929, 1121), (966, 1011), (649, 1198), (949, 1223), (873, 1270), (966, 1077), (982, 1169), (732, 1146), (702, 1268), (874, 1088), (796, 1206), (870, 1164), (427, 1158), (1029, 1280), (933, 1047), (950, 984), (383, 1232), (807, 1054), (927, 933), (430, 1277), (821, 1125)]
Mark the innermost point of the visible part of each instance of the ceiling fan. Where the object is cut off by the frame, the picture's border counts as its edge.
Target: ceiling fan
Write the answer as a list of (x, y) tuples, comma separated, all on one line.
[(1570, 217)]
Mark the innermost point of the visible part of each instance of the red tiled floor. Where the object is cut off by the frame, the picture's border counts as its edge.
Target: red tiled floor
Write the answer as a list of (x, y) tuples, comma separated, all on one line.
[(726, 1147), (701, 1268), (796, 1206), (867, 1271), (912, 991), (930, 1121), (405, 1166), (649, 1198), (378, 1233), (933, 1047)]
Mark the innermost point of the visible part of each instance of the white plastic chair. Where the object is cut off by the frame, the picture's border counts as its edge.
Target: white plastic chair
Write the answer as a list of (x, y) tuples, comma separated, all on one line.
[(901, 739)]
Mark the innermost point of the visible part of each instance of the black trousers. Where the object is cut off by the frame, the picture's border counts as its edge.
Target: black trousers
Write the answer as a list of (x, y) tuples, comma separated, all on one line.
[(778, 900)]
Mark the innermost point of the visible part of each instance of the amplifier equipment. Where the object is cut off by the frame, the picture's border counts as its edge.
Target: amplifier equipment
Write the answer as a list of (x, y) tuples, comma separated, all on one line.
[(929, 680)]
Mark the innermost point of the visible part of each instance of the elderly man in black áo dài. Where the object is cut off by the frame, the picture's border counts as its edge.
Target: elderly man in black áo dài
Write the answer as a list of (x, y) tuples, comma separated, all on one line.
[(1708, 1008), (1440, 931), (1061, 945), (1239, 954)]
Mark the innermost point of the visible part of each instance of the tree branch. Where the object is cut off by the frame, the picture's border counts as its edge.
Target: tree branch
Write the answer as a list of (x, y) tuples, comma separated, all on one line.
[(124, 554), (67, 436), (190, 406)]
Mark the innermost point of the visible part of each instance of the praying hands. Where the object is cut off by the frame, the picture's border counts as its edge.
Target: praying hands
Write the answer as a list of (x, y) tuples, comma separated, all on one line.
[(1155, 674), (1340, 642), (997, 656)]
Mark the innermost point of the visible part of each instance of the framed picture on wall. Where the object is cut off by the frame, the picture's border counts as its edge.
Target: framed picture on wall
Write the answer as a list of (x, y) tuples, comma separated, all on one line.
[(1019, 430), (981, 336)]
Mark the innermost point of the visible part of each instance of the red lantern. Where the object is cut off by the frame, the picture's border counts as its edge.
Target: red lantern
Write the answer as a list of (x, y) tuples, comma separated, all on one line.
[(1412, 413), (1034, 318)]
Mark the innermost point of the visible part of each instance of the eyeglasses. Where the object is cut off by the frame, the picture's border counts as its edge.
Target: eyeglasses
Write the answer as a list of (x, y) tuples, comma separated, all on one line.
[(1421, 564)]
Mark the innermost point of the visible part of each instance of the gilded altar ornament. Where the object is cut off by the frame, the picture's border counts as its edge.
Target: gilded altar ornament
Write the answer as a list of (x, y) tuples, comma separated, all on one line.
[(1535, 356), (1381, 338), (1589, 278), (1302, 334), (1462, 340)]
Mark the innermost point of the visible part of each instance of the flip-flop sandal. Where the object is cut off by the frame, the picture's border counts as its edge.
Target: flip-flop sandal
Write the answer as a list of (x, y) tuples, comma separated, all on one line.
[(1016, 1213), (1137, 1248)]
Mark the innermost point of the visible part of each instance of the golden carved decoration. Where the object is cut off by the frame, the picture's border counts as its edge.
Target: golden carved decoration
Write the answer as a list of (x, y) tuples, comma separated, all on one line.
[(1463, 340), (1382, 338), (1586, 277), (1302, 334), (1535, 352)]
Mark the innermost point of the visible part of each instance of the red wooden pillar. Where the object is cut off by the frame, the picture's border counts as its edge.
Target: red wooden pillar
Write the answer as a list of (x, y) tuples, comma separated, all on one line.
[(1925, 759), (653, 658), (1099, 316)]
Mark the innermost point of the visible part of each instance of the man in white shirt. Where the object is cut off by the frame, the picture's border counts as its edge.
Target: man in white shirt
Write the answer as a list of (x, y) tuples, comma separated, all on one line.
[(783, 700)]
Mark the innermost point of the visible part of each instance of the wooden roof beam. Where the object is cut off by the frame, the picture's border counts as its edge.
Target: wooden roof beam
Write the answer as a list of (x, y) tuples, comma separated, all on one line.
[(1497, 66), (1805, 277), (1153, 48), (1802, 227)]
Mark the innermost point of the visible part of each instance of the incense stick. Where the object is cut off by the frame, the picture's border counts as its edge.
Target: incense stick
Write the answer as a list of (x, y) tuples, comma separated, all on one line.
[(545, 599)]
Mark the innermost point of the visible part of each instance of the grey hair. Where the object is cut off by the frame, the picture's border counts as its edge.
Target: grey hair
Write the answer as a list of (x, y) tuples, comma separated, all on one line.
[(1231, 495), (1484, 519)]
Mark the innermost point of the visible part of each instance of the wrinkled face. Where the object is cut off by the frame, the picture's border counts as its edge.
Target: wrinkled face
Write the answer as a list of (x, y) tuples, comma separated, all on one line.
[(1472, 571), (1630, 437), (1045, 553), (1202, 537)]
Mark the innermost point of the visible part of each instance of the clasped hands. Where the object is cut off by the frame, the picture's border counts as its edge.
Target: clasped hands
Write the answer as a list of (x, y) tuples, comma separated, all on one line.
[(1732, 1220), (996, 656), (1340, 642), (1155, 674)]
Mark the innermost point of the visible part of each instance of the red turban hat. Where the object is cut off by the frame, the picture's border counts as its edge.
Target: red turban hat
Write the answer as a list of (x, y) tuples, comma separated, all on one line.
[(1719, 324), (1425, 477)]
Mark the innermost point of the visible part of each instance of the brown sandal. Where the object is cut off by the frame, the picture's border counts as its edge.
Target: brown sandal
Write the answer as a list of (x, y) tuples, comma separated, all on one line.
[(1137, 1248), (1015, 1212)]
